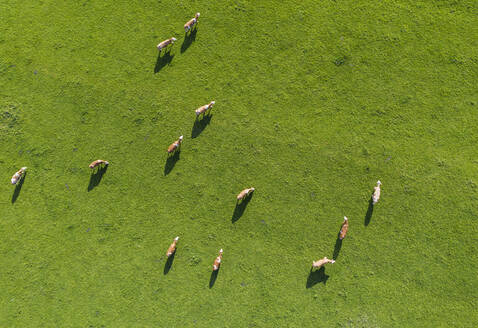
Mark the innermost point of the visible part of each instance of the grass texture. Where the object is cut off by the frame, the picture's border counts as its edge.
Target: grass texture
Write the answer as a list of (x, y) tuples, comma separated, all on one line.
[(315, 101)]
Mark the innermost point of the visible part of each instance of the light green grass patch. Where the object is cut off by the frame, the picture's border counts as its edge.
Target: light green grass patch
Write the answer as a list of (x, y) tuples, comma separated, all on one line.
[(315, 101)]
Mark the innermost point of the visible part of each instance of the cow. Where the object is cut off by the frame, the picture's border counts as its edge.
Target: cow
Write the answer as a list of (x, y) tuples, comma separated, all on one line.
[(165, 43), (344, 229), (376, 193), (18, 175), (217, 261), (321, 262), (98, 163), (243, 194), (175, 145), (204, 109), (190, 24), (172, 248)]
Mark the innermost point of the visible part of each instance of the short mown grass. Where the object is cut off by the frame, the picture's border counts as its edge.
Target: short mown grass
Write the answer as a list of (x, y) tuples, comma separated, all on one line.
[(315, 101)]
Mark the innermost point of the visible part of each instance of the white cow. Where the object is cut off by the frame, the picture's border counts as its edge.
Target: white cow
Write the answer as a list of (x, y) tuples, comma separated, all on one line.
[(243, 194), (18, 175), (376, 193), (321, 262), (205, 108), (190, 24), (165, 43)]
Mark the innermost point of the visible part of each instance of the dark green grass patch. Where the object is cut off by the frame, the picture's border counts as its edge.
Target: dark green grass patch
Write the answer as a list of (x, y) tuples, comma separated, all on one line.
[(315, 101)]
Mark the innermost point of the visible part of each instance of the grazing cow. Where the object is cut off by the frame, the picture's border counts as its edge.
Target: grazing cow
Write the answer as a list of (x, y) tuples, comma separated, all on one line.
[(320, 263), (98, 162), (217, 261), (243, 194), (18, 175), (165, 43), (205, 108), (172, 248), (190, 24), (345, 227), (175, 145), (376, 193)]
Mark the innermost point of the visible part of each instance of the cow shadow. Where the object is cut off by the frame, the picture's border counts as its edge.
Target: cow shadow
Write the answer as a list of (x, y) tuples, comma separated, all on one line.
[(240, 208), (171, 161), (18, 188), (200, 125), (169, 263), (189, 38), (164, 60), (338, 246), (369, 213), (316, 277), (213, 278), (96, 177)]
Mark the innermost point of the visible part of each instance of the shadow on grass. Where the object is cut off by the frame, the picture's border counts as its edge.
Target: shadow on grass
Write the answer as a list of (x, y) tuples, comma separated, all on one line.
[(18, 188), (164, 60), (96, 177), (213, 278), (338, 246), (169, 263), (316, 277), (200, 125), (240, 208), (368, 216), (189, 38), (171, 161)]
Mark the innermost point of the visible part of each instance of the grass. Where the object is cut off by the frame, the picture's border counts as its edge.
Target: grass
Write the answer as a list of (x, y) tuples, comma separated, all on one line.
[(315, 101)]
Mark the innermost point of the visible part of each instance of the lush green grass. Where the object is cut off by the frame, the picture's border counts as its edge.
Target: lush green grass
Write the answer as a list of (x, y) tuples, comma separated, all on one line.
[(315, 101)]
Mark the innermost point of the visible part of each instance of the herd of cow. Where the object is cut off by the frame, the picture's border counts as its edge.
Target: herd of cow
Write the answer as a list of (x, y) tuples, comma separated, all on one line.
[(240, 197), (345, 227), (171, 149), (187, 27)]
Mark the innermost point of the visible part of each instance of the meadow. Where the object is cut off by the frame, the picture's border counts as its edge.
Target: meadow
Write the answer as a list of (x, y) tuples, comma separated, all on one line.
[(315, 101)]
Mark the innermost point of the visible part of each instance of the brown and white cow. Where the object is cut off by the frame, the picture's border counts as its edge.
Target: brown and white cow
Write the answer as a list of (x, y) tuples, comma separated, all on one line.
[(376, 193), (205, 108), (190, 24), (344, 229), (321, 262), (18, 175), (175, 145), (165, 43), (217, 261), (98, 162), (172, 248), (243, 194)]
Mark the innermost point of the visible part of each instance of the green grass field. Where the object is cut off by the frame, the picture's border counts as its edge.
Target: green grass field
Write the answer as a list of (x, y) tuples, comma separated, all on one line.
[(315, 101)]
